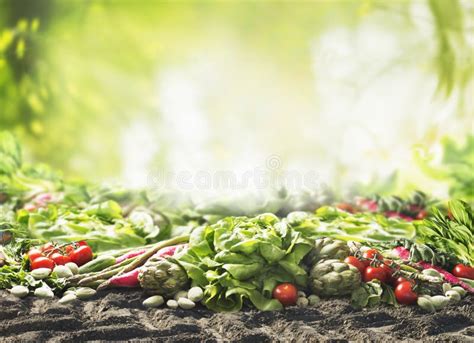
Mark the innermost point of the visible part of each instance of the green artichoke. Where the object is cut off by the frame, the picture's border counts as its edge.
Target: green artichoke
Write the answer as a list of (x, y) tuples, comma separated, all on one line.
[(162, 276), (325, 249), (333, 277)]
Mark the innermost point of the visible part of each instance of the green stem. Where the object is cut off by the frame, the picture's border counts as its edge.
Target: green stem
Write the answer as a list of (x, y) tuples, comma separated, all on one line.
[(101, 275), (160, 245)]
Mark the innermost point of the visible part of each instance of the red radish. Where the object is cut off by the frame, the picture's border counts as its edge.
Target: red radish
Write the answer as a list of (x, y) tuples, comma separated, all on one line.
[(422, 215), (398, 215), (29, 207), (129, 255), (170, 251), (42, 199), (370, 205), (129, 280), (346, 207), (402, 252)]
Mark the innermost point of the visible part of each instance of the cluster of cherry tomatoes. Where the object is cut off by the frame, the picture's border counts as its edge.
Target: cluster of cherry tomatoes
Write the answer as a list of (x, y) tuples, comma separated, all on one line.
[(50, 255), (372, 266)]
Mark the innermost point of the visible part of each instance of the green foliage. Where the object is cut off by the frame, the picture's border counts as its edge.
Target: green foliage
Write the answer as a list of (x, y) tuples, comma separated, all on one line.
[(456, 168), (452, 63), (453, 235), (360, 227), (10, 153)]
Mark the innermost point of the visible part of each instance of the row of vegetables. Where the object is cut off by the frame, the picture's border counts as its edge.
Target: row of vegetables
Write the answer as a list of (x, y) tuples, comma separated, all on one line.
[(265, 262)]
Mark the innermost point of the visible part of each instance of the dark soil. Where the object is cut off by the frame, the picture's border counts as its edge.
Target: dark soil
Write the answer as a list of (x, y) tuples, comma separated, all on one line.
[(120, 316)]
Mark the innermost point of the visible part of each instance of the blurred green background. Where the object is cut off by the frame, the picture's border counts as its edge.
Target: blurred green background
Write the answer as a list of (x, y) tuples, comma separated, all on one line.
[(372, 93)]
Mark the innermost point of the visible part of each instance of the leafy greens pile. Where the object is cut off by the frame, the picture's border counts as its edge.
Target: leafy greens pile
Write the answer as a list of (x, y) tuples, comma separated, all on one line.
[(240, 259)]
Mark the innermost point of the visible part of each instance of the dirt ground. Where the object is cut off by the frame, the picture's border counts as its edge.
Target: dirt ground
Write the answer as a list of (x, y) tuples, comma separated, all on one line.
[(120, 316)]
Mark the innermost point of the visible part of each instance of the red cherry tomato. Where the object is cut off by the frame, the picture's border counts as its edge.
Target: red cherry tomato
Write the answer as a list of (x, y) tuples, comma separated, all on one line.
[(378, 273), (385, 266), (422, 214), (404, 293), (82, 243), (356, 263), (461, 270), (369, 255), (286, 293), (49, 248), (81, 255), (69, 249), (59, 259), (401, 279), (34, 253), (42, 262)]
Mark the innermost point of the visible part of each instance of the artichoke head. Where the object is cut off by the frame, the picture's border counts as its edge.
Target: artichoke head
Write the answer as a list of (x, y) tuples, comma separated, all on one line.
[(333, 277), (162, 276), (327, 249)]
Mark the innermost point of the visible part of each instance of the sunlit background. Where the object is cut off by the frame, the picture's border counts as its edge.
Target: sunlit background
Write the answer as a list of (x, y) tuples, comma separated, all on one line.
[(368, 93)]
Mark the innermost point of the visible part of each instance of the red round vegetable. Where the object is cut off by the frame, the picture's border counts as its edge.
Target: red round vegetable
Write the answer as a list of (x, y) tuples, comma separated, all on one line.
[(422, 214), (42, 262), (400, 280), (461, 270), (29, 207), (369, 255), (81, 255), (378, 273), (385, 266), (352, 260), (60, 259), (346, 207), (49, 249), (404, 293), (69, 250), (286, 293), (34, 253)]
